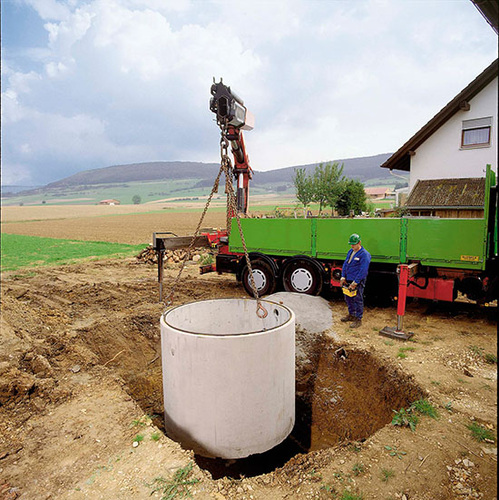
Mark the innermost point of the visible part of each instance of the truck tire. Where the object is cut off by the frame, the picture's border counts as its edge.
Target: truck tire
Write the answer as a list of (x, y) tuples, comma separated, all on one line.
[(263, 275), (302, 276)]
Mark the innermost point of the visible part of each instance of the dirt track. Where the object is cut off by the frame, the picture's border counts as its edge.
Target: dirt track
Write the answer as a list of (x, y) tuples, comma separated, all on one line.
[(80, 367)]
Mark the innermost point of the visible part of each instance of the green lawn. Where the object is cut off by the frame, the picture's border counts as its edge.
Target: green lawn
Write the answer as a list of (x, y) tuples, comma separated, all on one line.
[(18, 251)]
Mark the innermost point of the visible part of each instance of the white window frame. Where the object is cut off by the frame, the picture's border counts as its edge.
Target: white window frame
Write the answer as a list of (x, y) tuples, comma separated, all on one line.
[(476, 128)]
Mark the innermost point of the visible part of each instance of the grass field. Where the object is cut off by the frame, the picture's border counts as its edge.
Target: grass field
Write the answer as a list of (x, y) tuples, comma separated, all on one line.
[(21, 251), (124, 192), (176, 191), (54, 234)]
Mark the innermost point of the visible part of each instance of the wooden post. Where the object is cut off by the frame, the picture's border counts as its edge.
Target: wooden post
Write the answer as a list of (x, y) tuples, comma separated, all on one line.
[(160, 273)]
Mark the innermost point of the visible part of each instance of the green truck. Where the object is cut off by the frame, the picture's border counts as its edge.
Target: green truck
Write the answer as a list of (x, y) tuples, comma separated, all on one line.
[(444, 257), (436, 258)]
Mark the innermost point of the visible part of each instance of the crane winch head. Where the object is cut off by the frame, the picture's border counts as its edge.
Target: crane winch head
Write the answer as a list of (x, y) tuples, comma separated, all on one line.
[(229, 107)]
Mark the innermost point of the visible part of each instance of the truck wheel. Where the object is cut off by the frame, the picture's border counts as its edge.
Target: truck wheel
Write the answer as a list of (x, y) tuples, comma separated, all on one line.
[(302, 276), (263, 275)]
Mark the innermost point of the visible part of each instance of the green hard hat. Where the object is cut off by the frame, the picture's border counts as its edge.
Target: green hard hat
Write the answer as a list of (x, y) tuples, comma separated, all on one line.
[(354, 239)]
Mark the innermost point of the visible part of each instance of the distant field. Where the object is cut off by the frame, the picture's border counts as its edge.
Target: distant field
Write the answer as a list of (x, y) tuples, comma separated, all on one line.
[(131, 224), (19, 251), (174, 191), (45, 212), (26, 213), (128, 228), (124, 192)]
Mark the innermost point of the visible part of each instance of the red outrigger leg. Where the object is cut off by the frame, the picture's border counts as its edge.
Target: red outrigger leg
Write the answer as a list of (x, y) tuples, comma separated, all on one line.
[(405, 271)]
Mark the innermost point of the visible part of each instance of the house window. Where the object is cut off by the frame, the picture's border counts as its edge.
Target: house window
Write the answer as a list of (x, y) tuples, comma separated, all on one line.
[(476, 133)]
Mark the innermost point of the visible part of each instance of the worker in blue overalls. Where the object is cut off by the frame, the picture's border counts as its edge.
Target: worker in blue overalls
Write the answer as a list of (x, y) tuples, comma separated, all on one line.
[(353, 280)]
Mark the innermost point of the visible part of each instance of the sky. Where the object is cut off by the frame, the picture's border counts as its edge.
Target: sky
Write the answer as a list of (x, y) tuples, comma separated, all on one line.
[(89, 84)]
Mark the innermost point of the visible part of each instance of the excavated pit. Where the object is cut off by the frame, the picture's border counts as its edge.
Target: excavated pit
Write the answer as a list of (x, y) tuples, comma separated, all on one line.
[(342, 395)]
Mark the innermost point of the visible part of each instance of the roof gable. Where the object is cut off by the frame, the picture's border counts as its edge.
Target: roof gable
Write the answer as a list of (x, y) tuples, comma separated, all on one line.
[(448, 193), (490, 11), (401, 159)]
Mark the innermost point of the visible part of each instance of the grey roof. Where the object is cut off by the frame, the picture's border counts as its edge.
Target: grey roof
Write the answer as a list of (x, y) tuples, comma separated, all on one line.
[(448, 193)]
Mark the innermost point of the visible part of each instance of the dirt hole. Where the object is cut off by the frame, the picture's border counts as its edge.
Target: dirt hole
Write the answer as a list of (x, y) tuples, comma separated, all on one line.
[(342, 395)]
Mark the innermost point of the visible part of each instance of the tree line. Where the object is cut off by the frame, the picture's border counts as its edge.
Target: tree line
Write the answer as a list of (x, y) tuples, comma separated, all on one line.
[(328, 187)]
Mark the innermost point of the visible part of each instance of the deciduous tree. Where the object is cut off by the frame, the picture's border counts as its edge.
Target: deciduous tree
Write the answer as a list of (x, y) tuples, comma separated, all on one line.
[(328, 184), (352, 197), (304, 187)]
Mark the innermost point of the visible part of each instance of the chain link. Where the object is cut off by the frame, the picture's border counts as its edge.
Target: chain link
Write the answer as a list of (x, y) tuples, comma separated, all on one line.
[(191, 245), (232, 208), (226, 168)]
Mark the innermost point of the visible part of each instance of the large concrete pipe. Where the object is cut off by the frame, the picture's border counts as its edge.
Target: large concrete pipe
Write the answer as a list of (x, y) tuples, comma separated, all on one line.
[(228, 376)]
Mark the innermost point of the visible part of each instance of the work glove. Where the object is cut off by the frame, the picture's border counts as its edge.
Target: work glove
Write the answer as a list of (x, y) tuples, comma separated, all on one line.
[(352, 286), (342, 281)]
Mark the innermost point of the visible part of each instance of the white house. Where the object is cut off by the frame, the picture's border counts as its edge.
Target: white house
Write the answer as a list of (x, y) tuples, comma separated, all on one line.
[(460, 140)]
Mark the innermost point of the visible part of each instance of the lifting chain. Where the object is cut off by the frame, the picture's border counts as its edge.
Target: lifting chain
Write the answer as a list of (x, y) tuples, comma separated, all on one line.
[(169, 300), (226, 168)]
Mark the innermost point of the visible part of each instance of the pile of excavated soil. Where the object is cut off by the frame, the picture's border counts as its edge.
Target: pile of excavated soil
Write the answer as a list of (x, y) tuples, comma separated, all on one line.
[(81, 397)]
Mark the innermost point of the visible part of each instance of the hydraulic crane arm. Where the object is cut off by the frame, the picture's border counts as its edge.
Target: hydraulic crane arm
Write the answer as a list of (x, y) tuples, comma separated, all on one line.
[(232, 118)]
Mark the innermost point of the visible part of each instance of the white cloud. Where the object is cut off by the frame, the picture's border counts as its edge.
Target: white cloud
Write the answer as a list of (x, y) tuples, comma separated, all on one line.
[(128, 80), (56, 70), (165, 7), (17, 175), (50, 9), (64, 34), (12, 110)]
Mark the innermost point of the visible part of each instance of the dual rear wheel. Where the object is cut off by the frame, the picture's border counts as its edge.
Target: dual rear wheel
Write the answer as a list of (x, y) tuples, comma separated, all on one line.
[(299, 275), (263, 275)]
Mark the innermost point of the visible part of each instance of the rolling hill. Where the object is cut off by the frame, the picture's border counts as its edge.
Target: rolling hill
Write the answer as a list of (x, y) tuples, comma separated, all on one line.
[(159, 180), (137, 172)]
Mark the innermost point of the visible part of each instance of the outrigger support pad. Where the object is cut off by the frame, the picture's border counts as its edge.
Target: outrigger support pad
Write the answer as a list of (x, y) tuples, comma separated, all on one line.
[(392, 332)]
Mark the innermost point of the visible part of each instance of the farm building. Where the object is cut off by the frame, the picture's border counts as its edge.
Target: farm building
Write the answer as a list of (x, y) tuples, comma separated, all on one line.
[(460, 140), (456, 198), (379, 193), (109, 202)]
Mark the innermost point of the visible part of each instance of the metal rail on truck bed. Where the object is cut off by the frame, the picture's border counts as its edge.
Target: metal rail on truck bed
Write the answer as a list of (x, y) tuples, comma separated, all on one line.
[(453, 243)]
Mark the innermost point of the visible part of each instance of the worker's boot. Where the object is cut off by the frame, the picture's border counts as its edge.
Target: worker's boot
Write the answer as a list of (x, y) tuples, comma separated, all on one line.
[(348, 318), (356, 323)]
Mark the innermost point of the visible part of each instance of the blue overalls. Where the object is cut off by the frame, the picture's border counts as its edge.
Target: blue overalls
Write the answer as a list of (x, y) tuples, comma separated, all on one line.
[(356, 271)]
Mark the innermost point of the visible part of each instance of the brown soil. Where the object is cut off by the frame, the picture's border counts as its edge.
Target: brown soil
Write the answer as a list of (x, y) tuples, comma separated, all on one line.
[(80, 369), (101, 223)]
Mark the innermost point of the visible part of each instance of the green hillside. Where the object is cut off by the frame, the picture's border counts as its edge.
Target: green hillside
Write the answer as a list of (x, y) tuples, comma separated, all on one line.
[(179, 191), (177, 182)]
